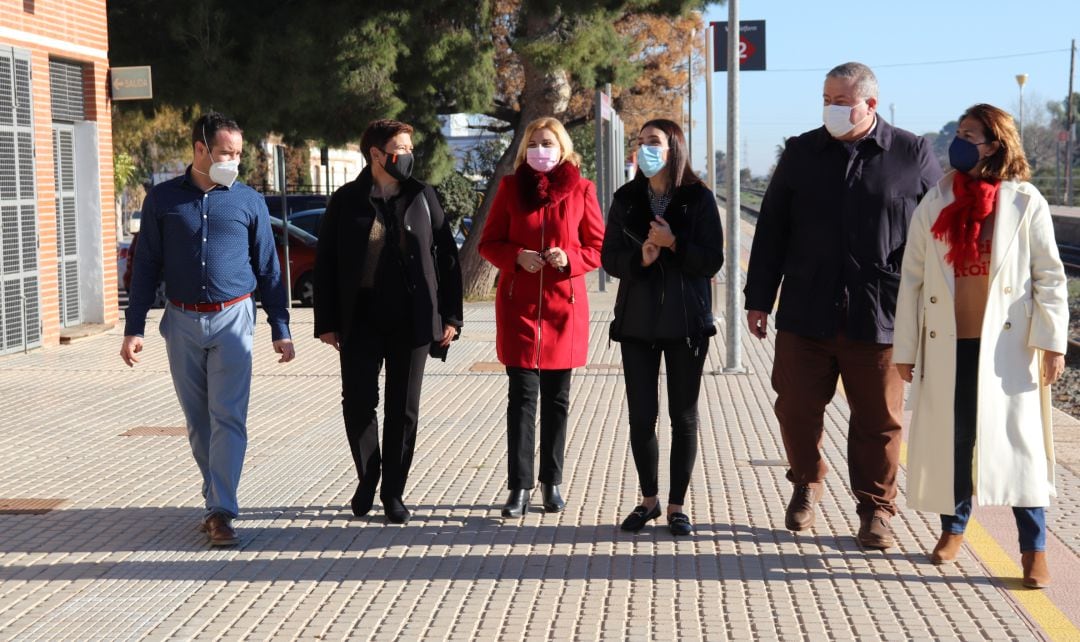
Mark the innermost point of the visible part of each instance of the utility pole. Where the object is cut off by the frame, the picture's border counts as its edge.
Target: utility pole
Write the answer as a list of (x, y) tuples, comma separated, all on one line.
[(710, 139), (1020, 80), (733, 363), (690, 97), (1070, 120)]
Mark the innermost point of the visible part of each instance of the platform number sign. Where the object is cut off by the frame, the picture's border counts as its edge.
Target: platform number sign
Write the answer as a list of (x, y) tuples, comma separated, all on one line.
[(751, 45)]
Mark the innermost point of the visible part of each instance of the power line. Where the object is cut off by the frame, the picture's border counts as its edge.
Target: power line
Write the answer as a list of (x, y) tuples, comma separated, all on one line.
[(937, 62)]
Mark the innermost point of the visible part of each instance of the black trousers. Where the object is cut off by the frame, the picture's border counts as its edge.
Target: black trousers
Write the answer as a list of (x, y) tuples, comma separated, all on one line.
[(553, 389), (641, 370), (362, 356)]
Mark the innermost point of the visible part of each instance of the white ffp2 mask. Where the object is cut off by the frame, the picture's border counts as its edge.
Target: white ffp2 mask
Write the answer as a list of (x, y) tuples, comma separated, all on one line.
[(224, 173)]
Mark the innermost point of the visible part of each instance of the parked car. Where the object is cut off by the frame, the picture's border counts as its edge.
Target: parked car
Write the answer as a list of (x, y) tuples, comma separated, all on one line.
[(308, 220), (462, 231), (129, 263), (135, 222), (296, 203), (301, 260), (123, 248)]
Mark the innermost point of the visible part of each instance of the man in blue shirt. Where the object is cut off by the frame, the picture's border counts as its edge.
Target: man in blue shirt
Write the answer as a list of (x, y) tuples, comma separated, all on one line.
[(209, 239)]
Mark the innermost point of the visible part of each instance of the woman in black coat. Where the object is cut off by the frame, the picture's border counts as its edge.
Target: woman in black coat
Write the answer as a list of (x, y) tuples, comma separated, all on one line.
[(664, 243), (387, 288)]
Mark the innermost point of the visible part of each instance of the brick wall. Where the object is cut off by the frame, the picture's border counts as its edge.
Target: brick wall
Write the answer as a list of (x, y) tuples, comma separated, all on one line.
[(76, 31)]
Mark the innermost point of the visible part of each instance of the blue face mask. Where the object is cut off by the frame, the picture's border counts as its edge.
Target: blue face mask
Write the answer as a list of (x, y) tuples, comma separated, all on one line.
[(650, 159), (963, 155)]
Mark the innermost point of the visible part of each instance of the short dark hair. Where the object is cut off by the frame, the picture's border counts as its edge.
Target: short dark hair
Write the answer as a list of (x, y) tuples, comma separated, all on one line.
[(678, 158), (209, 124), (380, 131)]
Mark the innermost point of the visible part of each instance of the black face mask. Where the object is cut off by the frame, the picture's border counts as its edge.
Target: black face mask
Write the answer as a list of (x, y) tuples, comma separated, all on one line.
[(399, 166)]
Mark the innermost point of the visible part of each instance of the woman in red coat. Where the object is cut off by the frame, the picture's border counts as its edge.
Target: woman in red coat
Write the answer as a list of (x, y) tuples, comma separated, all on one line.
[(544, 233)]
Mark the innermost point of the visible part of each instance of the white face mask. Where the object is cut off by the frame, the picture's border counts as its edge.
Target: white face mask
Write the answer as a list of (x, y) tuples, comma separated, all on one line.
[(838, 120), (224, 173)]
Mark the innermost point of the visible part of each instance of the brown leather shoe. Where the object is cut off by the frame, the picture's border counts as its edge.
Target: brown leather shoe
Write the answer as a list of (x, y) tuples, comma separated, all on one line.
[(800, 510), (874, 531), (948, 545), (219, 531), (1036, 572)]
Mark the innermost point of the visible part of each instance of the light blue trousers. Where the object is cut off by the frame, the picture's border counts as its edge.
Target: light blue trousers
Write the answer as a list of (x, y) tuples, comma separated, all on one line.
[(210, 361)]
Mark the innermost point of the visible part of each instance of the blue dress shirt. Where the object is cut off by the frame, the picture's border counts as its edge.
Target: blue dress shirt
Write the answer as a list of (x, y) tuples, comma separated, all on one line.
[(208, 247)]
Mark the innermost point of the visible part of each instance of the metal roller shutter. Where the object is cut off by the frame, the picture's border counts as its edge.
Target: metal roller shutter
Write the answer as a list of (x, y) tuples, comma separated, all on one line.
[(66, 90), (20, 316)]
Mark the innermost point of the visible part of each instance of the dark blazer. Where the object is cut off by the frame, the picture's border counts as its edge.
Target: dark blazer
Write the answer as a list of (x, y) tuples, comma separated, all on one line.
[(431, 260), (833, 227), (670, 299)]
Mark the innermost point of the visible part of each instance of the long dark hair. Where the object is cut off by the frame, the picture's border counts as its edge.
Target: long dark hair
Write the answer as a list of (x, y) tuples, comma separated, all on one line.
[(678, 162)]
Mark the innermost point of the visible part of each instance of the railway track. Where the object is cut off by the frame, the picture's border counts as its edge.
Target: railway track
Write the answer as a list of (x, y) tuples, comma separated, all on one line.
[(1070, 256)]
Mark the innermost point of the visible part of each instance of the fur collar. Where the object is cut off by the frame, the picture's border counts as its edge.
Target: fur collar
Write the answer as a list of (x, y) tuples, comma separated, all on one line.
[(537, 189)]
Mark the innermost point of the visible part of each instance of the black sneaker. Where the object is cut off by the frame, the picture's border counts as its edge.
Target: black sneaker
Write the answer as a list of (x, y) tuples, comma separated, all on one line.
[(636, 520), (679, 524)]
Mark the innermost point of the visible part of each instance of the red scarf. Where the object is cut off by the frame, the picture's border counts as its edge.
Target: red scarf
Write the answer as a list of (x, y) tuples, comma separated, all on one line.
[(959, 223)]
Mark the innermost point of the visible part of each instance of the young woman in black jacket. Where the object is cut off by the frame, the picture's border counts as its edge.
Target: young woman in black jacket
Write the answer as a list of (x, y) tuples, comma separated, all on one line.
[(664, 243)]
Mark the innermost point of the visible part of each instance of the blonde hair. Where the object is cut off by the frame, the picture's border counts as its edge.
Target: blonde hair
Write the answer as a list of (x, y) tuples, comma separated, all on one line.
[(555, 127)]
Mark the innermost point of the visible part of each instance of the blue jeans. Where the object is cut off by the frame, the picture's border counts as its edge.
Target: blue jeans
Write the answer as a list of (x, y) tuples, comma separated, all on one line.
[(210, 362), (1030, 522)]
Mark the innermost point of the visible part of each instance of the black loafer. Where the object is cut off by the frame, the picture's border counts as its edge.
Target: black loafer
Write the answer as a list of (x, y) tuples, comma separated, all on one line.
[(517, 504), (679, 524), (553, 501), (395, 510), (636, 520)]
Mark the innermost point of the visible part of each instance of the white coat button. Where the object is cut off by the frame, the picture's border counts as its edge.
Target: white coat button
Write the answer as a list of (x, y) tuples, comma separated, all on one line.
[(933, 299), (933, 334), (1008, 290), (1008, 324)]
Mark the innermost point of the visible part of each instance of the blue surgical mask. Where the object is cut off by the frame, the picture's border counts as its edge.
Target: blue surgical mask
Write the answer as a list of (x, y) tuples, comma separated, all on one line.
[(963, 155), (650, 159)]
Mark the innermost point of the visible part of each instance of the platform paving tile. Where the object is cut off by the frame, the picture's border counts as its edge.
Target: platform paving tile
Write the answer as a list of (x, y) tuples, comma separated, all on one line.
[(122, 558)]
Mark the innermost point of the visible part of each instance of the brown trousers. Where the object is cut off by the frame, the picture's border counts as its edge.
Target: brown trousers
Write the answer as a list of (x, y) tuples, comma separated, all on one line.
[(804, 376)]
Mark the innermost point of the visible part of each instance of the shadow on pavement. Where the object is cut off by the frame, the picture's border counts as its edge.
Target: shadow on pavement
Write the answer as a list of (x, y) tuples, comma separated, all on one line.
[(437, 544)]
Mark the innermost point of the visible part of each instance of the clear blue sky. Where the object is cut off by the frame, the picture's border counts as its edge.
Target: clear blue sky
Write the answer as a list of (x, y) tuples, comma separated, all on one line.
[(806, 39)]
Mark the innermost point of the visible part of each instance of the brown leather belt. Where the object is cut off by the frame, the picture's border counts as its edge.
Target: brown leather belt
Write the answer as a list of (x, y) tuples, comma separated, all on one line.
[(209, 307)]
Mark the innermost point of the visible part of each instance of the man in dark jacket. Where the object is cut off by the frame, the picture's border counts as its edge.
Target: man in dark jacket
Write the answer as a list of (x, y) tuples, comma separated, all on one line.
[(832, 228), (387, 288)]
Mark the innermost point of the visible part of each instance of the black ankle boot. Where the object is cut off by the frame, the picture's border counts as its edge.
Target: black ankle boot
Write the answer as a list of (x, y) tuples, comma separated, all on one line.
[(553, 501), (517, 504), (396, 512), (362, 499)]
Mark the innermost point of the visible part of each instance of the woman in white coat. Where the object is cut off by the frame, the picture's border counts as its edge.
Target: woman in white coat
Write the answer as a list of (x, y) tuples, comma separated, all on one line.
[(981, 325)]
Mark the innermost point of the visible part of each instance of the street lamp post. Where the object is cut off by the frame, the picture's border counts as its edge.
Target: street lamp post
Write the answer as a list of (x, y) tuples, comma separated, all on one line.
[(1020, 80)]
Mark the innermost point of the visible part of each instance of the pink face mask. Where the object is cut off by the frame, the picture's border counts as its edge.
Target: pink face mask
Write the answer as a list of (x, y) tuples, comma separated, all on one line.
[(542, 159)]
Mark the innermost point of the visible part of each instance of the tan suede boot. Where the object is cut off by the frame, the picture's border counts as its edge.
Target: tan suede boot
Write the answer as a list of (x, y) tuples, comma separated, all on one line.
[(1036, 572), (947, 547)]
